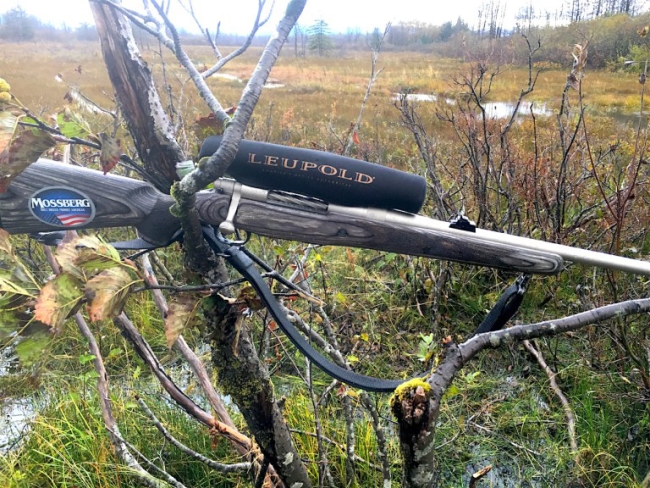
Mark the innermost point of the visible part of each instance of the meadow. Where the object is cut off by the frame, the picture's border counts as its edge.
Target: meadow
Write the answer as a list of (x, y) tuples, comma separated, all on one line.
[(558, 176)]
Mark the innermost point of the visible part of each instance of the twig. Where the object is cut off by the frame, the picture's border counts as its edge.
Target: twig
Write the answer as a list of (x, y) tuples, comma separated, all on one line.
[(552, 378), (103, 390), (374, 73), (382, 444), (338, 445), (496, 434), (167, 477), (142, 348), (259, 481), (224, 468), (155, 259), (189, 288), (202, 87), (476, 477), (323, 464)]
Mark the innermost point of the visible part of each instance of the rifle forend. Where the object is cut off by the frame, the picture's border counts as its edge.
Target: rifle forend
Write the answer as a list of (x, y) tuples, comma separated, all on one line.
[(51, 196)]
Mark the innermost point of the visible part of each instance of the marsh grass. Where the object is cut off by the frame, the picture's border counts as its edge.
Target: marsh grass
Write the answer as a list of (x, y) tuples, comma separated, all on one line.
[(318, 92), (378, 301), (67, 445)]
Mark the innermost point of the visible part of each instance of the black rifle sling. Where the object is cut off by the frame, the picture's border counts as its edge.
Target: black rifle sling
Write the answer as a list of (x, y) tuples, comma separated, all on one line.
[(506, 306), (246, 267), (500, 314)]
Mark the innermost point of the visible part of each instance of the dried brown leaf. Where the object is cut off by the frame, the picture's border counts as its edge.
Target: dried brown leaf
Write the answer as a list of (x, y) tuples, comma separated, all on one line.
[(182, 311), (111, 152), (58, 299), (23, 149)]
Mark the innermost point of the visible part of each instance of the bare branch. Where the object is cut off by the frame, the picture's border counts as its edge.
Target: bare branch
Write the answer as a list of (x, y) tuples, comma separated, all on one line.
[(222, 61), (169, 479), (224, 468), (218, 163), (141, 21), (183, 58), (552, 378)]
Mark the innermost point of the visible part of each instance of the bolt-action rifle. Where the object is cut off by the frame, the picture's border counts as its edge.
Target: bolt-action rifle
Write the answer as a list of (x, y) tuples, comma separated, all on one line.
[(296, 194), (287, 193)]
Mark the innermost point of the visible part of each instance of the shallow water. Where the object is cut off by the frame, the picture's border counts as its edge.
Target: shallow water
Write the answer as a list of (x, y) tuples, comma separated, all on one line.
[(14, 423), (493, 110)]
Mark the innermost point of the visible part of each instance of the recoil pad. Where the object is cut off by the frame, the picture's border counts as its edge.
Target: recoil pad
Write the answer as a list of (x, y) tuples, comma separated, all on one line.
[(335, 179)]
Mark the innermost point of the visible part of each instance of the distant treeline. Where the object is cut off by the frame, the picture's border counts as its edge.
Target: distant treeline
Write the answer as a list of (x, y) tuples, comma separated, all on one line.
[(613, 29)]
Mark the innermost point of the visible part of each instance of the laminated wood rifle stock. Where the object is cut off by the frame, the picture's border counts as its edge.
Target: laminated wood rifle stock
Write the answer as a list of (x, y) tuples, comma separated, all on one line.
[(50, 196)]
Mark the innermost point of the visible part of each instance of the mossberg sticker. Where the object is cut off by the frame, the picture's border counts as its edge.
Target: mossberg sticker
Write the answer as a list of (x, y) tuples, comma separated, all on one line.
[(62, 207)]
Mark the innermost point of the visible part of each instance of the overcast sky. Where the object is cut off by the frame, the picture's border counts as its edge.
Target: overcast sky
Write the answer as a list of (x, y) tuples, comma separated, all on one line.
[(236, 15)]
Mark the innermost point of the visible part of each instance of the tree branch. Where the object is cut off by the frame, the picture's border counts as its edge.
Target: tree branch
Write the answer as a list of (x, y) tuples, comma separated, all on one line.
[(552, 378), (224, 468)]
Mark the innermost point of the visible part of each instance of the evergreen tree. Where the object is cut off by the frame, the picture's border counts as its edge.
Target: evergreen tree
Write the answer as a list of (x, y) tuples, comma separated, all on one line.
[(319, 37)]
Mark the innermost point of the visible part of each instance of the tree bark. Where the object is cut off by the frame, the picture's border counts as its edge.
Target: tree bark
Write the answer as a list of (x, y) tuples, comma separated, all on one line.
[(138, 98), (246, 379)]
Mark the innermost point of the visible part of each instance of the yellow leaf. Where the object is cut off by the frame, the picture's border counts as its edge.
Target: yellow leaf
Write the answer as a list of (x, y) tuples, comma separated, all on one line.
[(248, 295)]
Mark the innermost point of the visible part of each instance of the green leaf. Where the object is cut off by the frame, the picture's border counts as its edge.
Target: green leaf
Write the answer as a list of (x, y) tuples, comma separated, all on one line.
[(86, 358), (72, 124), (353, 359), (107, 293), (58, 299), (90, 375), (29, 350), (451, 391), (115, 352)]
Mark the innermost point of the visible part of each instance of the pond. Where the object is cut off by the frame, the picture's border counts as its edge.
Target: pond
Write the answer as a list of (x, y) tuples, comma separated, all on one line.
[(494, 110), (502, 110)]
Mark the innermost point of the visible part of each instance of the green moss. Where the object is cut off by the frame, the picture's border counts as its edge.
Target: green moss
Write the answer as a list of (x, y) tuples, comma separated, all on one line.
[(404, 391)]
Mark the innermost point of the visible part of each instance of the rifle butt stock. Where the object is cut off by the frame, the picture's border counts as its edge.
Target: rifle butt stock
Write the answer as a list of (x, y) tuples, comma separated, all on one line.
[(35, 202)]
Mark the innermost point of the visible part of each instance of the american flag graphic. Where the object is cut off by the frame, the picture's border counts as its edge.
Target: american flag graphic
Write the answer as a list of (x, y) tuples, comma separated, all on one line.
[(69, 219)]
